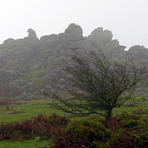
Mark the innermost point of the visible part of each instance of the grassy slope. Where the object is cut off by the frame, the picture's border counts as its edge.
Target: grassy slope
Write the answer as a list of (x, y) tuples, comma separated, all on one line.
[(25, 144), (142, 103), (28, 109), (14, 113)]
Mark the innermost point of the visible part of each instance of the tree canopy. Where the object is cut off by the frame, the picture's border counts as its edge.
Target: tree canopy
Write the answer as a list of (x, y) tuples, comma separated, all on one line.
[(97, 84)]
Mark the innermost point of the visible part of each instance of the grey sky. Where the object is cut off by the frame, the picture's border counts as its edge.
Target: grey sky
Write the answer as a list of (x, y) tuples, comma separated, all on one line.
[(127, 19)]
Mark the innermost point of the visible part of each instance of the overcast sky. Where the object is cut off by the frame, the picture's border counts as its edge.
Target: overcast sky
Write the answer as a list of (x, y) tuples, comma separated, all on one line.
[(127, 19)]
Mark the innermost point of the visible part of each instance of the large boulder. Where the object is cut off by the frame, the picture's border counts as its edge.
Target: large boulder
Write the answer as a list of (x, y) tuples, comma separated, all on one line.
[(31, 33), (102, 40), (73, 36), (74, 31), (138, 52), (9, 43)]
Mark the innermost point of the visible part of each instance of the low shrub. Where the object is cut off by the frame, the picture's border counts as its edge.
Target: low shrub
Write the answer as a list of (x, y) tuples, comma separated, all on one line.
[(113, 125), (6, 131), (101, 145), (93, 130), (140, 111), (142, 124), (141, 140), (83, 133), (121, 140), (42, 126), (124, 131), (129, 123)]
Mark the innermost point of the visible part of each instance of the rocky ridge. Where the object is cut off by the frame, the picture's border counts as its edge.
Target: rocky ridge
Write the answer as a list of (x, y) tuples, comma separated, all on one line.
[(29, 65)]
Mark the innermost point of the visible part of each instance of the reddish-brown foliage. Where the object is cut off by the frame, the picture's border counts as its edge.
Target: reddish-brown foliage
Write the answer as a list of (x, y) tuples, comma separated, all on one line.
[(42, 126)]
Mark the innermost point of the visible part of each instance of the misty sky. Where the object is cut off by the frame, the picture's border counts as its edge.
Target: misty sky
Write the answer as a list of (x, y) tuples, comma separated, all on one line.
[(127, 19)]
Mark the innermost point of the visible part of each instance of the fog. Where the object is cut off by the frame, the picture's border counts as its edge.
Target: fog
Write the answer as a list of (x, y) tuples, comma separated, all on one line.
[(127, 19)]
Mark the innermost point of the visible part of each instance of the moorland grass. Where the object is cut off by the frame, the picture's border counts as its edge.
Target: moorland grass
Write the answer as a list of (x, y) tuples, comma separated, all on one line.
[(27, 109), (25, 144)]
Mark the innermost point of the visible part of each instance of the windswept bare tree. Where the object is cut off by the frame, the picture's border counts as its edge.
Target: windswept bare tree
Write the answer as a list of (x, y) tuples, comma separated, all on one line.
[(97, 84)]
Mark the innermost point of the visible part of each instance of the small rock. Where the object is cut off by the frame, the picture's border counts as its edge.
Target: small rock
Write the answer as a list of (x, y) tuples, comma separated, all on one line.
[(37, 138), (66, 114), (132, 104)]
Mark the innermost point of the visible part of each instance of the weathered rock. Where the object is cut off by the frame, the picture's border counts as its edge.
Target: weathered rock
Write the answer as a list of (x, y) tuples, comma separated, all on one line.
[(139, 52), (9, 43), (66, 114), (29, 64), (102, 40), (31, 33), (73, 37), (74, 31)]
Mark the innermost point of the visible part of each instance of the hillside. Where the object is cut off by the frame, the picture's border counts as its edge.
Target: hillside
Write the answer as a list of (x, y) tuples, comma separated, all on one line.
[(30, 64)]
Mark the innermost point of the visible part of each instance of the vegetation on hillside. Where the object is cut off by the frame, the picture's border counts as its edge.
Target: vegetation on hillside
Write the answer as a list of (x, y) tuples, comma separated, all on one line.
[(96, 83), (41, 127), (126, 130), (32, 66)]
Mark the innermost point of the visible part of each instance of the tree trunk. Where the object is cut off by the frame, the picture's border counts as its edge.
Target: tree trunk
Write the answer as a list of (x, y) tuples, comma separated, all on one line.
[(109, 116)]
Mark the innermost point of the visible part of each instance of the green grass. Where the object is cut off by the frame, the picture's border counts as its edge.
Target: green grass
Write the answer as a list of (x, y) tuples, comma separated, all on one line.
[(38, 82), (142, 102), (28, 109), (15, 113), (25, 144), (35, 73), (22, 112)]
